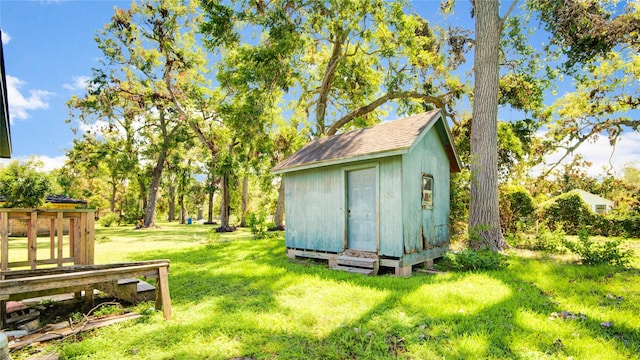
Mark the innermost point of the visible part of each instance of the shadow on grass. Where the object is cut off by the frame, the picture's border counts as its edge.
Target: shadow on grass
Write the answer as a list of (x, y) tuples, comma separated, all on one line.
[(246, 299)]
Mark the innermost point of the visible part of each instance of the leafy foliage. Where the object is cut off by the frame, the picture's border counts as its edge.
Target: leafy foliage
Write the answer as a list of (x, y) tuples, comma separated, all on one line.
[(109, 219), (472, 260), (551, 241), (593, 253), (22, 185), (258, 224), (516, 207), (567, 209)]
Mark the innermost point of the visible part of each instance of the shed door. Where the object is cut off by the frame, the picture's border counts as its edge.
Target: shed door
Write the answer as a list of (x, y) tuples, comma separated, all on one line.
[(361, 209)]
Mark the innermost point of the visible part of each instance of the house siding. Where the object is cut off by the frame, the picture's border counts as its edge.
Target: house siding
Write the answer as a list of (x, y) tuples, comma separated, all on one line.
[(425, 228), (314, 206), (390, 195)]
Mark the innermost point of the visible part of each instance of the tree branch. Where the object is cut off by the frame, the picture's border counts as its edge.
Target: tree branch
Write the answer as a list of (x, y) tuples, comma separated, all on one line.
[(506, 15), (321, 107), (363, 110), (568, 150)]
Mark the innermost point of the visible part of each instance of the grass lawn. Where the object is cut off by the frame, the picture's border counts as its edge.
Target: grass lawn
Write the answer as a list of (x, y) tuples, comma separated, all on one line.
[(239, 298)]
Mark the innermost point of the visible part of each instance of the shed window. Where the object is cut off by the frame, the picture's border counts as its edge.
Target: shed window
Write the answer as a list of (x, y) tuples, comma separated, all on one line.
[(601, 209), (427, 191)]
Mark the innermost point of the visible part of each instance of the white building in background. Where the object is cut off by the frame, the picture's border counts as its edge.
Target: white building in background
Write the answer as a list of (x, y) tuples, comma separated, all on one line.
[(596, 203)]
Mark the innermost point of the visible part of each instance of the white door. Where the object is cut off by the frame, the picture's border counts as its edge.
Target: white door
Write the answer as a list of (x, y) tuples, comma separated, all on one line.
[(361, 209)]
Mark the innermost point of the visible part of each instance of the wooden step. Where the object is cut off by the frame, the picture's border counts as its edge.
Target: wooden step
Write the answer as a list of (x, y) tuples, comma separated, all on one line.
[(355, 270), (360, 262), (131, 289)]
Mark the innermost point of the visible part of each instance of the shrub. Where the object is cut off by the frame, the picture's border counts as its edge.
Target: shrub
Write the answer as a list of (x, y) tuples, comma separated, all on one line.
[(471, 260), (22, 185), (551, 241), (516, 208), (592, 253), (258, 224), (625, 226), (109, 219), (568, 209)]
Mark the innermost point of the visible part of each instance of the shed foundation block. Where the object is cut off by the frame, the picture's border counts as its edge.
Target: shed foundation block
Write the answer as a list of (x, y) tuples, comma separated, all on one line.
[(404, 271)]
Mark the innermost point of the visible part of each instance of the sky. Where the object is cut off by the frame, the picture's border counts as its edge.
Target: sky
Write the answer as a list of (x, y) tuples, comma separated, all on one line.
[(49, 52)]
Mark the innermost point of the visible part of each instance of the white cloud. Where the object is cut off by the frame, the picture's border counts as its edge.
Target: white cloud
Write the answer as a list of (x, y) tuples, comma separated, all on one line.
[(19, 105), (79, 83), (95, 128), (5, 37), (48, 163), (602, 155)]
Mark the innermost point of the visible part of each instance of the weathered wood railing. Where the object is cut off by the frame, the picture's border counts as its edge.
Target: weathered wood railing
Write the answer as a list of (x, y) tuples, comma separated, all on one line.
[(55, 274), (24, 284), (81, 236)]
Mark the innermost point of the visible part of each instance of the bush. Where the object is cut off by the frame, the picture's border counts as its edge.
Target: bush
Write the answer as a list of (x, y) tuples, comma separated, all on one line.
[(624, 226), (551, 241), (22, 185), (567, 209), (591, 253), (471, 260), (258, 224), (516, 208), (109, 219)]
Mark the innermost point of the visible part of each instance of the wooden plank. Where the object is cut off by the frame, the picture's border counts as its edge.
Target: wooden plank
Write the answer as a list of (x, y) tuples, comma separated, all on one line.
[(40, 262), (72, 236), (162, 292), (17, 216), (77, 239), (37, 283), (52, 239), (64, 329), (42, 280), (13, 274), (90, 237), (32, 239), (3, 311), (60, 231), (4, 226), (355, 270), (82, 259), (293, 253)]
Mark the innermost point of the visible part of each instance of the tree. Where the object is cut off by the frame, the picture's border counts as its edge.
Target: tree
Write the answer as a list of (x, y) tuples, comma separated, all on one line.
[(149, 53), (599, 43), (340, 61), (23, 186), (484, 212)]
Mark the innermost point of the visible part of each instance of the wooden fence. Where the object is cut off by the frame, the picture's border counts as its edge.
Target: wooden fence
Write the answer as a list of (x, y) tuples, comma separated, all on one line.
[(81, 237)]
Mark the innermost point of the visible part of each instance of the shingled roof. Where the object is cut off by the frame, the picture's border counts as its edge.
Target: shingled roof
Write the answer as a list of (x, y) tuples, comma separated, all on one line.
[(385, 139)]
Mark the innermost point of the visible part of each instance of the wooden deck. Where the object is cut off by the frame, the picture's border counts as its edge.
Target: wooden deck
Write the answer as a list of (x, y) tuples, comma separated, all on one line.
[(18, 285), (68, 266)]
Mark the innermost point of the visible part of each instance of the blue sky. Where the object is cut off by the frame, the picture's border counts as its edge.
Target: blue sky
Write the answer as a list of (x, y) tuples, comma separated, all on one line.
[(49, 51)]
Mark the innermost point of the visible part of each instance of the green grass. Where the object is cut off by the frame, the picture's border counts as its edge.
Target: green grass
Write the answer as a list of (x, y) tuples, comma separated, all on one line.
[(239, 298)]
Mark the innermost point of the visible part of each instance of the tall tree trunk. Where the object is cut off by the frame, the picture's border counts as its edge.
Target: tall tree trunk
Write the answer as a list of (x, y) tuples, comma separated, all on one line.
[(112, 200), (245, 198), (183, 210), (484, 216), (210, 207), (172, 203), (224, 201), (150, 213), (278, 218), (143, 193)]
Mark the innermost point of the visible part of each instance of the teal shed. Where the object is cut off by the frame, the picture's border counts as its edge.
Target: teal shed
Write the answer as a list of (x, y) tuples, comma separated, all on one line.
[(374, 197)]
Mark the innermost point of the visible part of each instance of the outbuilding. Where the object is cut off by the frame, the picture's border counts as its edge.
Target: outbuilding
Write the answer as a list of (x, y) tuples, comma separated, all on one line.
[(374, 197)]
